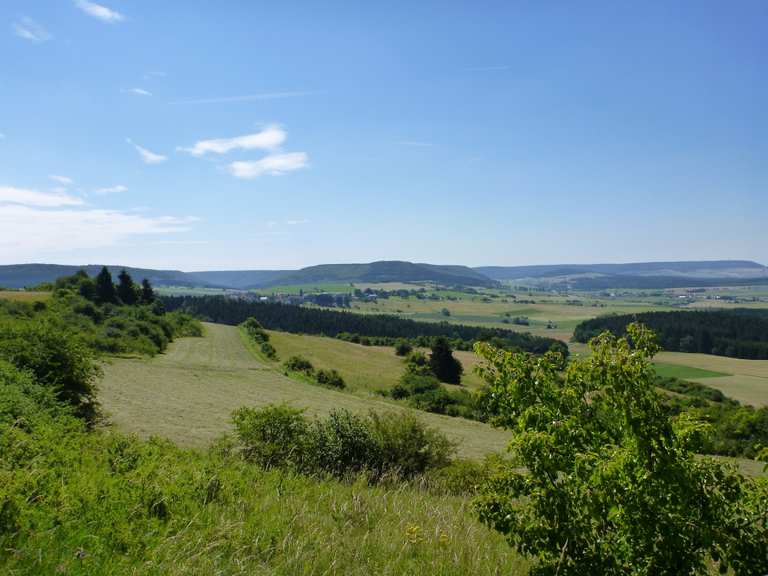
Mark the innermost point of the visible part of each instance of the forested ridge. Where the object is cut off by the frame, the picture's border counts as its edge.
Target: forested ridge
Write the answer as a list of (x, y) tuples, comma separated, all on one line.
[(297, 319), (739, 333)]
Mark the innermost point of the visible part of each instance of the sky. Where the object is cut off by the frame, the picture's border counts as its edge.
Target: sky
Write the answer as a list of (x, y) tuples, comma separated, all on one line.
[(241, 134)]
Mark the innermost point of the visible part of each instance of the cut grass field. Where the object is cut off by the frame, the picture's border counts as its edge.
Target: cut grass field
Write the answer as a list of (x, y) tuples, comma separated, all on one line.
[(365, 369), (24, 296), (188, 394), (685, 372)]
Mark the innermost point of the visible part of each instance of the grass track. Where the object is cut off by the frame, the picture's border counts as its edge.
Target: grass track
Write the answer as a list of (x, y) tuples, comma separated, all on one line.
[(188, 394), (24, 296)]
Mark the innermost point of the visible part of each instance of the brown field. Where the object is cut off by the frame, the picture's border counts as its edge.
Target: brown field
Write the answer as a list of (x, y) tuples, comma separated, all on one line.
[(24, 296)]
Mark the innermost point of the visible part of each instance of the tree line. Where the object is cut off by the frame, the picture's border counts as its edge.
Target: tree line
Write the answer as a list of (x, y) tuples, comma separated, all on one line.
[(739, 333), (297, 319)]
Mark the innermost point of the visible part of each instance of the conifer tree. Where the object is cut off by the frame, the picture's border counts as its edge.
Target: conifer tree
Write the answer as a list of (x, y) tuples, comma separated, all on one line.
[(105, 289)]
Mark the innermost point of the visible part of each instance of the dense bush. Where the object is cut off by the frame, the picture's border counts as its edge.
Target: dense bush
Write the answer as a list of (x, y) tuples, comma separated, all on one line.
[(329, 378), (58, 359), (341, 444), (403, 347), (424, 392), (602, 481), (299, 364)]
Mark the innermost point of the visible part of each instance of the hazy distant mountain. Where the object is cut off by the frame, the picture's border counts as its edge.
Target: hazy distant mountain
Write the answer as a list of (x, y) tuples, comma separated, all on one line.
[(239, 279), (386, 271), (634, 275), (574, 276), (21, 275)]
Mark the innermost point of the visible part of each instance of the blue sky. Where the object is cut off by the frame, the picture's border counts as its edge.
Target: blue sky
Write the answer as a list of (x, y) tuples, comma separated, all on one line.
[(242, 134)]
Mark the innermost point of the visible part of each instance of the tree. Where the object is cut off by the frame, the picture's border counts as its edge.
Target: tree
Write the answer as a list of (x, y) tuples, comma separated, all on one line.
[(105, 289), (443, 364), (403, 347), (602, 481), (147, 293), (126, 290)]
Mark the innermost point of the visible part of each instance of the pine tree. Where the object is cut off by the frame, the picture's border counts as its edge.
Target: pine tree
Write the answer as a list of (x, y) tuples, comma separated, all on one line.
[(105, 289), (126, 291), (147, 293), (443, 364)]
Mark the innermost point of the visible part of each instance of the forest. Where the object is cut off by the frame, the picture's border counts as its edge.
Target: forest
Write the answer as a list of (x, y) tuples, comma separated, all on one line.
[(738, 333), (297, 319)]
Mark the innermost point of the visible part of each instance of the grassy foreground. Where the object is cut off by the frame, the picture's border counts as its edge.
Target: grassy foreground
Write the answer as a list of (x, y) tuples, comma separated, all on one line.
[(188, 394)]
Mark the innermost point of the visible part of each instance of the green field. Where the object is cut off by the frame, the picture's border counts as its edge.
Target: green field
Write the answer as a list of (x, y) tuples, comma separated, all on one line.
[(188, 394), (685, 372), (365, 369)]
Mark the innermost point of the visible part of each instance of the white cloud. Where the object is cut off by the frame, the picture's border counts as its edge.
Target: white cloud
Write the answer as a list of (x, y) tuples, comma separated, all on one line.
[(98, 11), (65, 180), (30, 30), (138, 91), (2, 136), (31, 233), (248, 97), (268, 139), (34, 223), (297, 222), (147, 156), (57, 198), (111, 189), (274, 164)]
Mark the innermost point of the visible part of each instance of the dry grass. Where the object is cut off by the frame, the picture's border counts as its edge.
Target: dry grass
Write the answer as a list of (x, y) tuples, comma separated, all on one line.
[(364, 368), (24, 296), (188, 394)]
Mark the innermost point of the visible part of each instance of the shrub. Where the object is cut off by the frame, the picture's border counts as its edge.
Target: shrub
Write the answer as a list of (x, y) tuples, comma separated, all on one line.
[(57, 358), (299, 364), (443, 364), (602, 481), (272, 436), (342, 444), (403, 347), (329, 378), (268, 350)]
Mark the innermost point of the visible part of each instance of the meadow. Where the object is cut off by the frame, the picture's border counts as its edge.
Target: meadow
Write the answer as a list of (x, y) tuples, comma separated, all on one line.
[(188, 394), (24, 295)]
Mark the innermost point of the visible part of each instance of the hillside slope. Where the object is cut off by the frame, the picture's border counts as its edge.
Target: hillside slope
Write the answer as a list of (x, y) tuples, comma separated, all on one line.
[(189, 393)]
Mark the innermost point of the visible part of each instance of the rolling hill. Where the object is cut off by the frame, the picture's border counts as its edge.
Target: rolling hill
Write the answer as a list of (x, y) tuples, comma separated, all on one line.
[(386, 271), (646, 275)]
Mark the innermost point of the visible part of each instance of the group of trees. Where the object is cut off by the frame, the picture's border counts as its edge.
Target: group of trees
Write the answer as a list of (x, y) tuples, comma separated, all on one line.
[(302, 320), (739, 333), (102, 289)]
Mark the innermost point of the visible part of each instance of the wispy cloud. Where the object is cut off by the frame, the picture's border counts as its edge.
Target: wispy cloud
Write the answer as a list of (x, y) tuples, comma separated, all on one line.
[(30, 30), (297, 222), (248, 97), (274, 164), (111, 189), (65, 180), (137, 91), (57, 198), (99, 11), (2, 136), (147, 156), (268, 139)]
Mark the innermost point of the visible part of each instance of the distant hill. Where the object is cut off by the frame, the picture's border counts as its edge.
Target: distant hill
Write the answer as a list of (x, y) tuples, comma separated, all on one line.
[(22, 275), (386, 271), (238, 279), (634, 275)]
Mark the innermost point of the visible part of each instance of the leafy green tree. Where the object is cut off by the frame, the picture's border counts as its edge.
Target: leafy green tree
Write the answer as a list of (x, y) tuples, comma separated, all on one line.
[(147, 293), (126, 290), (602, 481), (443, 364), (105, 288)]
